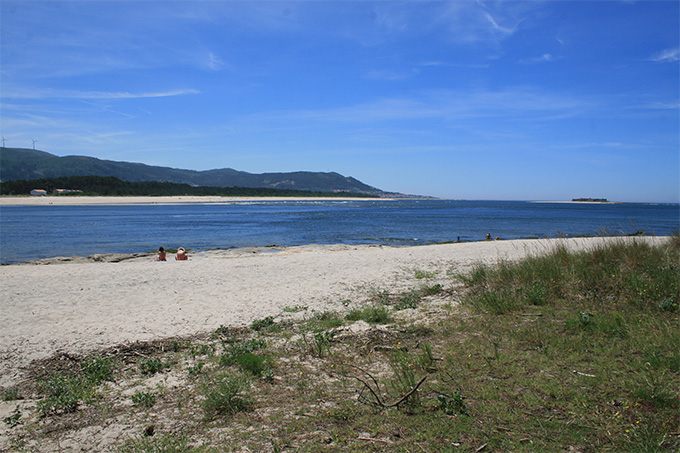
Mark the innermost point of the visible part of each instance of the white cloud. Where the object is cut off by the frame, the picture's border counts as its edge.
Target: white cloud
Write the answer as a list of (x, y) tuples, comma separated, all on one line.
[(497, 27), (545, 58), (667, 55), (9, 93), (214, 62)]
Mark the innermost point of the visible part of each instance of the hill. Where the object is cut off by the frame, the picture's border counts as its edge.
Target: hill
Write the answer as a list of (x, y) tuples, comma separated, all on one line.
[(29, 164)]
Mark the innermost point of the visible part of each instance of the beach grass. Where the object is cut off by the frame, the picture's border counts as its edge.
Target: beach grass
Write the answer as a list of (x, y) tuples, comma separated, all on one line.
[(558, 352)]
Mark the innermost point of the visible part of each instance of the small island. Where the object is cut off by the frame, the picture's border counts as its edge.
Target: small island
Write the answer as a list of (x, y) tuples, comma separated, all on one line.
[(590, 200)]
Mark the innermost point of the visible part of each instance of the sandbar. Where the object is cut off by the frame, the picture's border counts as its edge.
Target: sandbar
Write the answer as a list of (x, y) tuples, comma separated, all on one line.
[(135, 200)]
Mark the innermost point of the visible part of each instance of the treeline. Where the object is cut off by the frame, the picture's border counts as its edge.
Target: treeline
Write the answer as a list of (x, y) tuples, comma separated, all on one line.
[(110, 186)]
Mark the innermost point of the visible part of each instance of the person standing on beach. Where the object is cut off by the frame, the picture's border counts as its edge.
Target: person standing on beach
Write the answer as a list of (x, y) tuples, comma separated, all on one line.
[(161, 254)]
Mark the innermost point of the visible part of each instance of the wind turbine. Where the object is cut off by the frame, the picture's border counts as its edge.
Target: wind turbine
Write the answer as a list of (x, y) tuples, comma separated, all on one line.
[(34, 142), (3, 141)]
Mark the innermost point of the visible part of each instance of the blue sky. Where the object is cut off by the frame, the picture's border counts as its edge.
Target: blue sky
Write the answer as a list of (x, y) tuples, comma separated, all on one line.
[(511, 100)]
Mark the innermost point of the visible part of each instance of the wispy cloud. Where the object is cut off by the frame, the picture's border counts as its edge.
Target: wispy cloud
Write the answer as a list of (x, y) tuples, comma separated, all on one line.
[(496, 26), (9, 93), (545, 58), (214, 62), (446, 105), (667, 55)]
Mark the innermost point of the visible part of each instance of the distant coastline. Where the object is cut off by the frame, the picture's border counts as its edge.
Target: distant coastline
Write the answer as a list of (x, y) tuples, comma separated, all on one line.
[(582, 201), (26, 200)]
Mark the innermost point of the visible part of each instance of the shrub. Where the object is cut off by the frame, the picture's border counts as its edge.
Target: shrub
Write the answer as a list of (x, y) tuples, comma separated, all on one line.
[(373, 314), (233, 350), (97, 369), (260, 324), (252, 363), (144, 399), (151, 365), (326, 320), (226, 394), (11, 394), (62, 395)]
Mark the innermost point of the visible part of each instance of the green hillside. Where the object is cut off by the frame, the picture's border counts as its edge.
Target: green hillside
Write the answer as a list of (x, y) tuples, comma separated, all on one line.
[(28, 164)]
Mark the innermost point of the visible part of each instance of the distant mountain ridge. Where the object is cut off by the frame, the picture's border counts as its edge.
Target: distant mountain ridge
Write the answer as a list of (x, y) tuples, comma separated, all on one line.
[(29, 164)]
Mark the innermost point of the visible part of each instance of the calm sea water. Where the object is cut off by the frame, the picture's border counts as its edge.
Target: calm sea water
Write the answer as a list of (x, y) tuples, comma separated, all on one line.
[(31, 232)]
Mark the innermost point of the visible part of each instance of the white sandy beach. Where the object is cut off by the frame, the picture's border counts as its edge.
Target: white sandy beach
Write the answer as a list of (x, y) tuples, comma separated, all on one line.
[(134, 200), (81, 306)]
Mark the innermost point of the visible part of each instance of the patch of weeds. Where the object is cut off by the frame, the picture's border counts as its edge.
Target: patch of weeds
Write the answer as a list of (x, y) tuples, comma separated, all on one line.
[(221, 332), (372, 314), (404, 375), (294, 309), (202, 350), (195, 370), (226, 394), (420, 274), (582, 320), (320, 343), (654, 389), (452, 405), (611, 325), (409, 300), (62, 394), (254, 364), (97, 369), (382, 297), (494, 302), (414, 297), (177, 345), (143, 399), (431, 290), (345, 412), (13, 420), (536, 294), (325, 320), (425, 359), (669, 305), (11, 393), (265, 323), (267, 374), (237, 348), (151, 366)]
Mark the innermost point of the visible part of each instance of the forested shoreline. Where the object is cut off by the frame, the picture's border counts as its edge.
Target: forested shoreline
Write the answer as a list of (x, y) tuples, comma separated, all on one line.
[(110, 186)]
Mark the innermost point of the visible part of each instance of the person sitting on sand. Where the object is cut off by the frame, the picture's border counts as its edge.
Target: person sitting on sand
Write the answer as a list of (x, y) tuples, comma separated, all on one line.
[(161, 254), (181, 255)]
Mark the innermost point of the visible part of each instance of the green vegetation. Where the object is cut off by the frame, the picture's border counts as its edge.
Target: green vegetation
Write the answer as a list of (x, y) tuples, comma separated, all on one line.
[(564, 352), (151, 365), (27, 164), (372, 314), (65, 391), (110, 186), (144, 399), (226, 394)]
